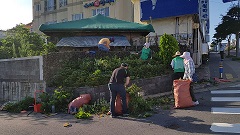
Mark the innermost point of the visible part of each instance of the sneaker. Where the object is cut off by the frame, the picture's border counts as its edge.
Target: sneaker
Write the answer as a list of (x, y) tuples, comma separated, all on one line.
[(125, 115), (196, 103), (109, 113)]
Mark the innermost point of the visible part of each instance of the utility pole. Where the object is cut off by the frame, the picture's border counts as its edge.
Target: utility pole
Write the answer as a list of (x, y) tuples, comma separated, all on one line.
[(237, 34)]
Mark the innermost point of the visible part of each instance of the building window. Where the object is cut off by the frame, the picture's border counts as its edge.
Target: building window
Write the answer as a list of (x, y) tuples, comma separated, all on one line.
[(103, 11), (51, 22), (38, 7), (62, 3), (77, 16), (50, 5)]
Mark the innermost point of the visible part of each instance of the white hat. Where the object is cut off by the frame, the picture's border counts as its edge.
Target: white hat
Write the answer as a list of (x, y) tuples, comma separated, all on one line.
[(146, 44)]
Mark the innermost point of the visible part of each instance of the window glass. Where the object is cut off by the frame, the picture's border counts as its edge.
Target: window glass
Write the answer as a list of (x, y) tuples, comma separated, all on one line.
[(37, 7), (77, 16), (50, 5), (103, 11), (62, 3)]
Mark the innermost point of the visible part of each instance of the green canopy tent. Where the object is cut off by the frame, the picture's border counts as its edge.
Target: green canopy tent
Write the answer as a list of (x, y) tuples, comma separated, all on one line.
[(98, 23)]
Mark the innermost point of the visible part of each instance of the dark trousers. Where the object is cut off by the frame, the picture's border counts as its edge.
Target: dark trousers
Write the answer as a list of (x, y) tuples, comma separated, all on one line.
[(177, 75), (222, 54), (192, 93), (114, 90)]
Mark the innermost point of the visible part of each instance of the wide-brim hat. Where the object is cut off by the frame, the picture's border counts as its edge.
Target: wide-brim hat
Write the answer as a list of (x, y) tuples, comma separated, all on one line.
[(177, 54)]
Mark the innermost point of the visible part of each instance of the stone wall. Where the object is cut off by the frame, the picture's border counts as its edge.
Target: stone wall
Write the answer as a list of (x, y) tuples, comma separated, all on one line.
[(150, 86)]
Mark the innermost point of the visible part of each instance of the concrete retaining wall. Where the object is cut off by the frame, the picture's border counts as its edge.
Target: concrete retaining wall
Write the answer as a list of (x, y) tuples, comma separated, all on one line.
[(20, 77)]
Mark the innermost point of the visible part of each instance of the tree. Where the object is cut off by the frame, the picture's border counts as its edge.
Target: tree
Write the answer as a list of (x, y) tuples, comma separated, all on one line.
[(230, 25), (223, 32), (20, 42), (167, 48)]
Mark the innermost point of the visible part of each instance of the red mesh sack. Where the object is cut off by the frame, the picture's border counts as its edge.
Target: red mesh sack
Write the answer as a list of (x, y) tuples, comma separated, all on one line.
[(80, 101), (182, 95), (118, 103)]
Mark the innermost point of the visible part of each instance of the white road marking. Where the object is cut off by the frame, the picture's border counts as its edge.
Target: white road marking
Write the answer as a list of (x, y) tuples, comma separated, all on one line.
[(229, 76), (225, 91), (238, 85), (225, 110), (225, 128), (230, 99)]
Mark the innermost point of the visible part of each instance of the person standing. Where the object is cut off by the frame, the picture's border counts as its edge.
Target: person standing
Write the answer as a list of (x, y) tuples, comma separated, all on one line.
[(177, 66), (104, 44), (188, 73), (146, 52), (221, 48), (119, 80)]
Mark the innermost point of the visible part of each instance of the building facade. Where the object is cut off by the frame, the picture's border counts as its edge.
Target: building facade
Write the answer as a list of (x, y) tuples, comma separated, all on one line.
[(57, 11), (187, 20)]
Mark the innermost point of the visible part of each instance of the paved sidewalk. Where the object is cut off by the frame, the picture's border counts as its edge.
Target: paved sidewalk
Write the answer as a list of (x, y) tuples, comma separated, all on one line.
[(210, 71)]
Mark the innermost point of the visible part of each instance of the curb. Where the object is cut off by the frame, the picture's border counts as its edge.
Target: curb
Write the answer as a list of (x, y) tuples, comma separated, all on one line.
[(200, 89)]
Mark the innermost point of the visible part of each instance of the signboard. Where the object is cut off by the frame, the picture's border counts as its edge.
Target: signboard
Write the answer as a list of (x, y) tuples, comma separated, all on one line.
[(154, 9), (97, 3), (204, 9)]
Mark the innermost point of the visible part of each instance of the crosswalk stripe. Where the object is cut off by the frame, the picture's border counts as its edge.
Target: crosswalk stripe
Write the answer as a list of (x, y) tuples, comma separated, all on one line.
[(225, 110), (238, 85), (225, 128), (230, 99), (225, 91)]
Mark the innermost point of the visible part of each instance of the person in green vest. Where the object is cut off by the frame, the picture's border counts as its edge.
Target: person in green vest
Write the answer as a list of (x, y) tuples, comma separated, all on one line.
[(146, 52), (178, 66)]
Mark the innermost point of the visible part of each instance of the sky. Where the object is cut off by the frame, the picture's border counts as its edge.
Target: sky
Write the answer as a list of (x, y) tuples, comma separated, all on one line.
[(14, 12), (20, 11), (216, 9)]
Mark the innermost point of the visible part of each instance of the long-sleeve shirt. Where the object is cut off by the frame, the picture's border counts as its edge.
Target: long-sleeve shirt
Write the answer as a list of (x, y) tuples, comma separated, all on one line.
[(189, 69)]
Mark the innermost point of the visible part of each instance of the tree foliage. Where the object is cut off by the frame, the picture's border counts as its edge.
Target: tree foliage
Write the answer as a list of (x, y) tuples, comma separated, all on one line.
[(20, 42), (167, 48), (230, 25)]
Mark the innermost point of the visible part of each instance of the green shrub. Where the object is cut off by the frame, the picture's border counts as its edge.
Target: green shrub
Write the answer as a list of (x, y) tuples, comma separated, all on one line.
[(98, 107), (60, 99), (17, 107), (82, 115), (97, 71), (167, 48), (236, 59), (138, 106)]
